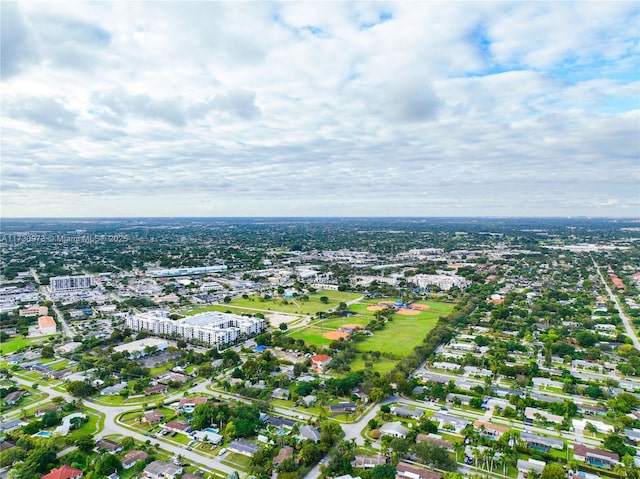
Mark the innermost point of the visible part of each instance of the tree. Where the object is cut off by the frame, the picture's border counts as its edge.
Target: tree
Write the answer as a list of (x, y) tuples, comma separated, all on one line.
[(80, 389), (47, 351), (553, 470), (324, 300), (107, 464), (85, 443), (283, 326), (376, 394), (382, 471), (50, 418), (128, 443), (615, 443)]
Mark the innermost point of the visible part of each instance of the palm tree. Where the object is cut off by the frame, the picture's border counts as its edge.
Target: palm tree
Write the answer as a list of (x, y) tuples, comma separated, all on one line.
[(458, 447)]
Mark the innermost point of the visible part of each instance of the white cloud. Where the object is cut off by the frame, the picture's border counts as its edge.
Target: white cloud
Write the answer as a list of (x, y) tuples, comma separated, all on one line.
[(333, 108)]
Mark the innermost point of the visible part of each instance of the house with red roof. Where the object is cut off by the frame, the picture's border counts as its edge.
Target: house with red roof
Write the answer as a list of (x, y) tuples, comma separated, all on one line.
[(320, 361), (64, 472)]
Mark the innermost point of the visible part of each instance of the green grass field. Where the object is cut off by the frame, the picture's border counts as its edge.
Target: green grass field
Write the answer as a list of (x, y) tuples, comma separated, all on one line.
[(312, 335), (398, 338), (382, 366), (401, 335), (18, 342), (295, 305)]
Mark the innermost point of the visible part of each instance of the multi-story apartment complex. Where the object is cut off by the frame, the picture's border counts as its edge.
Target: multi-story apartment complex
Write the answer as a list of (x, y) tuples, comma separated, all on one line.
[(61, 284), (212, 327)]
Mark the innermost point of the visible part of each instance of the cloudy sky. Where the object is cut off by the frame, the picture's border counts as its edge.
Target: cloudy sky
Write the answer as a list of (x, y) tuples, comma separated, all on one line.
[(320, 109)]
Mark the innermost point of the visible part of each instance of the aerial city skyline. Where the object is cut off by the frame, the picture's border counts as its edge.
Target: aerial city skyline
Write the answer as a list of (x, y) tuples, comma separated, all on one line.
[(320, 109)]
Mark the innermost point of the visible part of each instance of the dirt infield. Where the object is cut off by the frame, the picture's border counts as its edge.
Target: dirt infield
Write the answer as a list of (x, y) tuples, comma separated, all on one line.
[(375, 308), (420, 307), (335, 335), (352, 326), (408, 312)]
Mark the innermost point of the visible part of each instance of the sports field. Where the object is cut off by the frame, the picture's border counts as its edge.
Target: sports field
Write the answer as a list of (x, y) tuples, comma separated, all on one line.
[(398, 338)]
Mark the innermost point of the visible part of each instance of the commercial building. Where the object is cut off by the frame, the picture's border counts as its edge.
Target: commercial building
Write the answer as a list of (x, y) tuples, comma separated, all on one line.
[(142, 347), (212, 328), (47, 325), (65, 284), (165, 273)]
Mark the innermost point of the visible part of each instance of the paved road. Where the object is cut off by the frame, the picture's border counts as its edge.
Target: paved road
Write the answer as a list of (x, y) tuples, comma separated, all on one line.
[(625, 320)]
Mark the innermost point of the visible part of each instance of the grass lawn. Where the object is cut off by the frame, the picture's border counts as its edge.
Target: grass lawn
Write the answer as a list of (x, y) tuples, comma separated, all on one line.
[(401, 335), (18, 342), (312, 335), (382, 366), (335, 323), (236, 460), (295, 305)]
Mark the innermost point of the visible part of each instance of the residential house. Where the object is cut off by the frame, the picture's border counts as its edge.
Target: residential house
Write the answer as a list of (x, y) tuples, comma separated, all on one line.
[(409, 471), (63, 472), (406, 412), (532, 414), (309, 432), (11, 424), (190, 403), (207, 435), (132, 457), (13, 397), (243, 447), (309, 400), (434, 439), (177, 426), (162, 470), (278, 422), (530, 468), (153, 417), (342, 407), (108, 445), (462, 399), (5, 445), (490, 430), (594, 456), (395, 429), (364, 461), (541, 443), (159, 389), (280, 393), (320, 361), (591, 410), (446, 421), (115, 389), (284, 453)]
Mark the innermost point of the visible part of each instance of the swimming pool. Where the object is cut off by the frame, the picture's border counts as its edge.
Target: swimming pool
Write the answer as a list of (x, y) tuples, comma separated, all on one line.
[(211, 430), (43, 434), (281, 432)]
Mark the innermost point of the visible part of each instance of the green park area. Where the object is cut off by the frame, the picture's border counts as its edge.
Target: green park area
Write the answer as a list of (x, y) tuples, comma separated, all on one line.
[(18, 343), (400, 335), (296, 305)]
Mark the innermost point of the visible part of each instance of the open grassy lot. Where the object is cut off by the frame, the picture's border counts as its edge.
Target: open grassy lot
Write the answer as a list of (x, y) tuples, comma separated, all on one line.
[(18, 342), (312, 335), (296, 305), (223, 308), (382, 366), (401, 335)]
